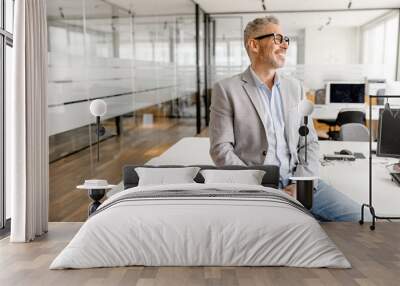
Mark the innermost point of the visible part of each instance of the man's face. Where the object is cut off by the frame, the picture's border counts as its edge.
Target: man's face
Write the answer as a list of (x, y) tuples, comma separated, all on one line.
[(267, 51)]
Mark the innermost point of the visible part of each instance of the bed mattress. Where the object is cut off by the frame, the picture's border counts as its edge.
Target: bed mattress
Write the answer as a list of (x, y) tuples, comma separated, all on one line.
[(201, 225)]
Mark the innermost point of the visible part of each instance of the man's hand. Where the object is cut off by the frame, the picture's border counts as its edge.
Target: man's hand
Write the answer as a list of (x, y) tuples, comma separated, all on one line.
[(290, 190)]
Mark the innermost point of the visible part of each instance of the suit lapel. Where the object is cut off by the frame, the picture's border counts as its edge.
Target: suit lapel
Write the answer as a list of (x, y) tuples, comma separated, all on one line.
[(290, 114), (253, 93)]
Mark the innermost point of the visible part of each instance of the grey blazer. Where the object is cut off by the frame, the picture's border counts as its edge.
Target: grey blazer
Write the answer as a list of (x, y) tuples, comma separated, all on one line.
[(238, 130)]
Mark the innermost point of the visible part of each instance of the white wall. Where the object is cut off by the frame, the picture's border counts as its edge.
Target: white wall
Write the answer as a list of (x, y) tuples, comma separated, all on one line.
[(300, 46), (332, 54), (332, 45)]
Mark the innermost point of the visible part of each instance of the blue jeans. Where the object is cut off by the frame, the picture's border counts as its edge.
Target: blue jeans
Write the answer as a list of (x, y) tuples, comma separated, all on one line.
[(332, 205)]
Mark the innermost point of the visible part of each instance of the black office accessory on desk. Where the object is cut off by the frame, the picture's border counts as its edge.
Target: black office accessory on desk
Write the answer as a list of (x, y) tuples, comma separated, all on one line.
[(396, 177), (388, 137), (339, 157), (357, 155), (389, 133)]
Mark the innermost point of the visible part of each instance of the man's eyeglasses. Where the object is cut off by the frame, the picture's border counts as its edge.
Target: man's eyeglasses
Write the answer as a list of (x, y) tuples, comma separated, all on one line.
[(278, 38)]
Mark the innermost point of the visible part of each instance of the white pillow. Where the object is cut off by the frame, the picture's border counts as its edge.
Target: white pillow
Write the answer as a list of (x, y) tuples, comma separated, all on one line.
[(163, 176), (248, 177)]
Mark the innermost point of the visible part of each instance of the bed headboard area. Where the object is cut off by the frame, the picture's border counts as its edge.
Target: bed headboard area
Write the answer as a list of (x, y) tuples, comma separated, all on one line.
[(270, 179)]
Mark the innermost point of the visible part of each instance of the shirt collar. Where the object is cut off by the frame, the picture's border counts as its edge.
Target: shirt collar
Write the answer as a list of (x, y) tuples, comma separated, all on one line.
[(259, 82)]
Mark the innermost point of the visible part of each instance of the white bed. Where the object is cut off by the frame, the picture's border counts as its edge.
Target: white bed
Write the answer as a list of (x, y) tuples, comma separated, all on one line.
[(263, 229), (193, 231)]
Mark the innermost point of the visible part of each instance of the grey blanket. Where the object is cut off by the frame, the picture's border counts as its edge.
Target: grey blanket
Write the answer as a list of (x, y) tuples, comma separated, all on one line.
[(204, 194)]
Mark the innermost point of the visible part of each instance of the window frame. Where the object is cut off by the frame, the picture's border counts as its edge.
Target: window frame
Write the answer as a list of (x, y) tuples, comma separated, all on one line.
[(6, 39)]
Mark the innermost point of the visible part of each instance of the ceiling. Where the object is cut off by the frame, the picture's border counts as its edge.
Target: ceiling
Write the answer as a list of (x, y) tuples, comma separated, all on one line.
[(103, 8), (156, 7), (291, 22), (230, 6), (231, 26)]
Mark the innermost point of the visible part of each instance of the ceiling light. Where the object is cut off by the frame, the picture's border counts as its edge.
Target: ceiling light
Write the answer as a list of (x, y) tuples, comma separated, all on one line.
[(264, 7), (329, 21), (349, 5), (61, 12)]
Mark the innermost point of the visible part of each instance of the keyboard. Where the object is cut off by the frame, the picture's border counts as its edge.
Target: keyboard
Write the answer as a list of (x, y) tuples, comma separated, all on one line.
[(331, 157), (396, 177)]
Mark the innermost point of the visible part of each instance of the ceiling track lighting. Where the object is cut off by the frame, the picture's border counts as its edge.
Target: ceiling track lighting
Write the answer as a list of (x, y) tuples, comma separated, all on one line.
[(264, 7), (61, 12), (349, 5), (329, 21), (326, 24)]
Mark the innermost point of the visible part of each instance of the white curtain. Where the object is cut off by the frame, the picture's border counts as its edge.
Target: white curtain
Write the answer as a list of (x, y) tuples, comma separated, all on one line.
[(26, 124)]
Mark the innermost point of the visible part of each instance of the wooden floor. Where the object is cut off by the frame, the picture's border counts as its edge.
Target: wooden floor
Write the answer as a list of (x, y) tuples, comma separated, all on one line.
[(136, 145), (374, 255)]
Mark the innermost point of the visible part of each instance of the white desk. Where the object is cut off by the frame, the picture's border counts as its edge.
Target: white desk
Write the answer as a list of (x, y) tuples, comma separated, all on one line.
[(330, 111), (350, 178)]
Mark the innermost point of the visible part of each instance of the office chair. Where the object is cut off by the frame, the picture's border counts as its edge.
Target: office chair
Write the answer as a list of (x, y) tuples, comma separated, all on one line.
[(350, 115), (354, 132), (345, 116)]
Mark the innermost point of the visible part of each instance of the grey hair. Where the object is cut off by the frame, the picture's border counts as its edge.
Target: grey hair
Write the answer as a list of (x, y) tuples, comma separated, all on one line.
[(253, 28)]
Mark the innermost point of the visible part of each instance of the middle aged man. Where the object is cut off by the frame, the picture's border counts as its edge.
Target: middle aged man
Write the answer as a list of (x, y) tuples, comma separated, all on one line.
[(254, 120)]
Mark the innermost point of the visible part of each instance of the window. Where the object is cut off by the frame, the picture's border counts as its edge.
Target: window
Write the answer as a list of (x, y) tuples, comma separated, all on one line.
[(6, 42), (380, 44)]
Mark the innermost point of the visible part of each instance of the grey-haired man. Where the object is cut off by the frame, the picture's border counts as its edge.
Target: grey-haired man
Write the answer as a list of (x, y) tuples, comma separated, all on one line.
[(254, 120)]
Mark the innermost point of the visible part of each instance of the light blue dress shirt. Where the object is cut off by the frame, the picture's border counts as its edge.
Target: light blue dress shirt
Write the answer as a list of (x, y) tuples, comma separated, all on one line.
[(278, 151)]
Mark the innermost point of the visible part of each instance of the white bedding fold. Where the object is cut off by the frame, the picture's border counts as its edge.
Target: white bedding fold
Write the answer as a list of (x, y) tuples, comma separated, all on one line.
[(181, 231)]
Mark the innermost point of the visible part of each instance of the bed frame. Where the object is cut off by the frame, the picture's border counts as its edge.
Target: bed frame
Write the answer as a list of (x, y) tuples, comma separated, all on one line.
[(270, 179)]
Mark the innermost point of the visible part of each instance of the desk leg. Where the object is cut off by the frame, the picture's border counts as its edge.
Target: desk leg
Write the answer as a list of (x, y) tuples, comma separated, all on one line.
[(96, 195), (372, 211)]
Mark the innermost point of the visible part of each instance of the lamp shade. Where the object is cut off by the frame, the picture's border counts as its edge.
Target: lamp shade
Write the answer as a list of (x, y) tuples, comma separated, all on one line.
[(98, 107), (306, 107)]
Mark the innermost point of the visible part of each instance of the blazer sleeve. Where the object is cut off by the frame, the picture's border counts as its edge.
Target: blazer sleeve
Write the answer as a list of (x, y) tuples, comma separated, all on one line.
[(221, 130), (311, 168)]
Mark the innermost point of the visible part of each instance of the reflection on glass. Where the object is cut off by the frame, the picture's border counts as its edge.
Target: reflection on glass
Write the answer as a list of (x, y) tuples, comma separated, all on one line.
[(143, 67), (9, 9)]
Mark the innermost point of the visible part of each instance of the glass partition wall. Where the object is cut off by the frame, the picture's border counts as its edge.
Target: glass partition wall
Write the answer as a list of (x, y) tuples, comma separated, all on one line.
[(143, 66)]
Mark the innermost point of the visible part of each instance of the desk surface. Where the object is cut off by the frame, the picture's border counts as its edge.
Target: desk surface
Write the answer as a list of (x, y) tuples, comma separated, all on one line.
[(350, 178), (330, 111)]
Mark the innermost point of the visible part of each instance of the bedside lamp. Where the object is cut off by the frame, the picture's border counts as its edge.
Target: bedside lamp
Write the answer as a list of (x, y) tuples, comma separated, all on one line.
[(306, 108), (98, 108), (305, 185)]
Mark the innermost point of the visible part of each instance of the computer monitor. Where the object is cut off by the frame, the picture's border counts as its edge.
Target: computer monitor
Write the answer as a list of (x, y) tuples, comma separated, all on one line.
[(345, 93), (389, 133)]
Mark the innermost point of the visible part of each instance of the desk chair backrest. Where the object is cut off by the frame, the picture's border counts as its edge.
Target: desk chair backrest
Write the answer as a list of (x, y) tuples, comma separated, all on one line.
[(354, 132), (346, 116)]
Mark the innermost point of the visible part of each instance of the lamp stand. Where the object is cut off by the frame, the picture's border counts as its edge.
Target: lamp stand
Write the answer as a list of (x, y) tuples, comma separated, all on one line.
[(303, 131), (98, 137)]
